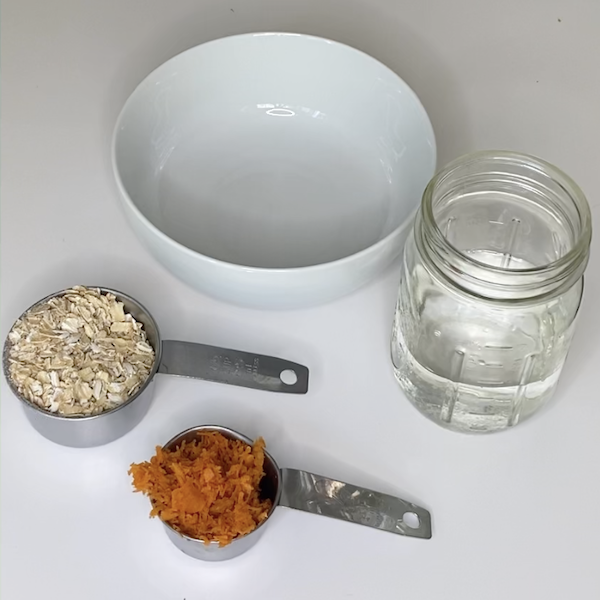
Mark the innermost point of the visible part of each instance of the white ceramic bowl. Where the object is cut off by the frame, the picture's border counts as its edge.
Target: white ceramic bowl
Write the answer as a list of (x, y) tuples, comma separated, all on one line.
[(273, 170)]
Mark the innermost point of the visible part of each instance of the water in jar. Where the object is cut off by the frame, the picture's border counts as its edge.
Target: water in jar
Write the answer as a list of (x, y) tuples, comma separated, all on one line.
[(472, 363)]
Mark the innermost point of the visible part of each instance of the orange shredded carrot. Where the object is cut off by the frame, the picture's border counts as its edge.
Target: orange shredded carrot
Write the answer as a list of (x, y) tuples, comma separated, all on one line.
[(207, 489)]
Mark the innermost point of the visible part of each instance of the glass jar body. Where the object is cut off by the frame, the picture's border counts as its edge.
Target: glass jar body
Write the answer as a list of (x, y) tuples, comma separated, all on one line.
[(478, 346), (471, 365)]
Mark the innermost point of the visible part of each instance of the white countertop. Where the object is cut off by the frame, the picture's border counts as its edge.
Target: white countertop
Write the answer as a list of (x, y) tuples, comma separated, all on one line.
[(515, 515)]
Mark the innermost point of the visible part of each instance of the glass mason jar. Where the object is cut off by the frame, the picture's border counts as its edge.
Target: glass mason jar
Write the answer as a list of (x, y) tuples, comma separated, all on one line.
[(491, 284)]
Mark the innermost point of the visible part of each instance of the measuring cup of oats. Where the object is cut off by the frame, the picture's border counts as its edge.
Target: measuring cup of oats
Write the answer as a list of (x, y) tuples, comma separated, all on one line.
[(83, 360)]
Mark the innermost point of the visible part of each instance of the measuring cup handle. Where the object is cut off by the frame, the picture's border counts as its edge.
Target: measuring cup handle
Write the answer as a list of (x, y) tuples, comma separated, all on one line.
[(323, 496), (233, 367)]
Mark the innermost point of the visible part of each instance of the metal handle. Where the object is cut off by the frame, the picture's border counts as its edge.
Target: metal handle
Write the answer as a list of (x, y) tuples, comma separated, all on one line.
[(324, 496), (233, 367)]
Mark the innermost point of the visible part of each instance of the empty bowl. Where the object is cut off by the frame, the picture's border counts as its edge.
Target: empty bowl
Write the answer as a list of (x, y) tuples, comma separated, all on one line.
[(273, 170)]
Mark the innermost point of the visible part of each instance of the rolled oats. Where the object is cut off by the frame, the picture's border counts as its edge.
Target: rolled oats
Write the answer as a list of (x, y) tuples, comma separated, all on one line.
[(79, 353)]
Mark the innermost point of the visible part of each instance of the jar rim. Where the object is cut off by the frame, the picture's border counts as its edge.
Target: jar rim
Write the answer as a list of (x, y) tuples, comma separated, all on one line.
[(553, 274)]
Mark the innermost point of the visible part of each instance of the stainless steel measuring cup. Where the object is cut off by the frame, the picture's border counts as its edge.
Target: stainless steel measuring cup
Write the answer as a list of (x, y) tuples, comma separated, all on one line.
[(308, 492), (185, 359)]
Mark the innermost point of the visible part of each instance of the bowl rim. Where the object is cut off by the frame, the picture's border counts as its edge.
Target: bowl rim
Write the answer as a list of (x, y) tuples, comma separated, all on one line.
[(75, 417), (178, 246)]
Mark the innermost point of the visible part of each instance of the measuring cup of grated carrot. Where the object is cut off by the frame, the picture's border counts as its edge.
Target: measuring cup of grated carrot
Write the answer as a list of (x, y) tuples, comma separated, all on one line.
[(214, 490)]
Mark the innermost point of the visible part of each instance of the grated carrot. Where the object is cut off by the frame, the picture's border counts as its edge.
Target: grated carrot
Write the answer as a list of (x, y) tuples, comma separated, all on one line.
[(207, 489)]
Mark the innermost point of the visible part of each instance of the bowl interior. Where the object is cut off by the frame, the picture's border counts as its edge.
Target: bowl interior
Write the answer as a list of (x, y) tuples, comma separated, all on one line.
[(274, 150)]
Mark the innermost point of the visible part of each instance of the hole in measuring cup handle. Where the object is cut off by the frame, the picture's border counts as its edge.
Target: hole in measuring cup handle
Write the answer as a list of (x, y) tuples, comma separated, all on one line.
[(411, 519), (288, 377)]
